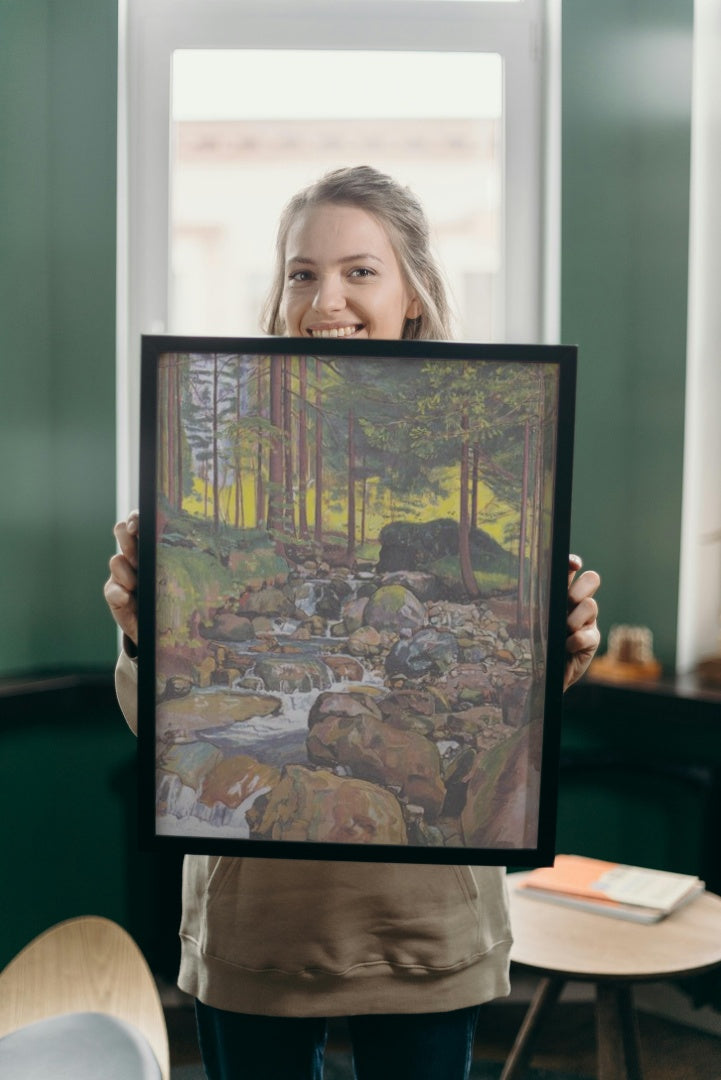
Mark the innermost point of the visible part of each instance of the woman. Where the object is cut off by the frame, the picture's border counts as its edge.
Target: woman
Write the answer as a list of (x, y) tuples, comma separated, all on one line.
[(271, 948)]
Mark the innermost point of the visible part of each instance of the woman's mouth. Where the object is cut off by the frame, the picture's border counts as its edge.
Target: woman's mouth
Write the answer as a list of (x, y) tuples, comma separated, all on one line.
[(334, 331)]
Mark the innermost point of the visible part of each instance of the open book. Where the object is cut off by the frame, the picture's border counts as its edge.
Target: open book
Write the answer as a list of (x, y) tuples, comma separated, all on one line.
[(608, 888)]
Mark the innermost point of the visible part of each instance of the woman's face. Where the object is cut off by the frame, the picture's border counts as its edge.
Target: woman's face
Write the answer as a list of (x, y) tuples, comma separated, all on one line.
[(342, 277)]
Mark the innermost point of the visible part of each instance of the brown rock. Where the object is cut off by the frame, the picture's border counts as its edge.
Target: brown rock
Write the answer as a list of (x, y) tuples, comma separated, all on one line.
[(316, 805), (235, 779), (372, 750)]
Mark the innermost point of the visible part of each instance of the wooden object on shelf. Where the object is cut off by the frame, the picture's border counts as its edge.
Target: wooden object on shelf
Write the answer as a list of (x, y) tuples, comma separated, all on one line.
[(629, 657)]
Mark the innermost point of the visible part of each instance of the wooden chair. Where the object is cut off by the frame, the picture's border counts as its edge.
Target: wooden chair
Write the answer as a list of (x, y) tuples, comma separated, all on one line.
[(89, 971)]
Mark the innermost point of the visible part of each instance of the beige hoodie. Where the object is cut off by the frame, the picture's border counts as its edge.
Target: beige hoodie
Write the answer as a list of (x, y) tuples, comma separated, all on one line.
[(284, 937)]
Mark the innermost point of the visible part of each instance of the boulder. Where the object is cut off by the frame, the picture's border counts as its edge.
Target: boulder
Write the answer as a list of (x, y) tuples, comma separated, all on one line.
[(318, 806), (229, 627), (394, 608), (501, 809), (372, 750), (428, 652), (288, 674), (190, 762), (352, 613), (234, 780), (426, 587), (351, 705), (182, 717), (344, 668), (271, 602)]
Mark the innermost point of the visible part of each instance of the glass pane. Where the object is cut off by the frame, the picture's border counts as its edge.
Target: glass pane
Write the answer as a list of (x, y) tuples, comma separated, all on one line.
[(250, 128)]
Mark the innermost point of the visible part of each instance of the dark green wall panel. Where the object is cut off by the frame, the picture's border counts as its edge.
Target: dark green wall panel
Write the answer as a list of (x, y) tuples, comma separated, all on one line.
[(626, 145), (58, 77)]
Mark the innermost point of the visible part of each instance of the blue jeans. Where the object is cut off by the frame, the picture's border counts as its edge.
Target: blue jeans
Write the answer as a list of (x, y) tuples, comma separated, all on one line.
[(413, 1046)]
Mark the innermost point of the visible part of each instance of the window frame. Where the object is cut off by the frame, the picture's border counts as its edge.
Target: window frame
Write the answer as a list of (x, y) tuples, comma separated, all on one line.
[(526, 34)]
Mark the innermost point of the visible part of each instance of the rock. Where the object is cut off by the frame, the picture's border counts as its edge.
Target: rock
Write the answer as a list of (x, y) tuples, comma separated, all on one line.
[(236, 779), (514, 696), (269, 601), (318, 806), (352, 614), (176, 686), (409, 710), (189, 761), (428, 652), (394, 608), (229, 627), (344, 668), (336, 704), (474, 719), (407, 545), (426, 587), (330, 597), (292, 673), (204, 671), (501, 809), (185, 716), (364, 642), (375, 751)]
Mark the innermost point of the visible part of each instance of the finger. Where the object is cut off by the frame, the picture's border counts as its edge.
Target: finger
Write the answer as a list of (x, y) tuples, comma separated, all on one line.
[(575, 563), (123, 573), (126, 534), (583, 641), (585, 585), (123, 608), (584, 613)]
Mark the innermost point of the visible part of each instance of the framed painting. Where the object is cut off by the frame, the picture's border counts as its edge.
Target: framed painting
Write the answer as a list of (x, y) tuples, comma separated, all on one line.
[(352, 597)]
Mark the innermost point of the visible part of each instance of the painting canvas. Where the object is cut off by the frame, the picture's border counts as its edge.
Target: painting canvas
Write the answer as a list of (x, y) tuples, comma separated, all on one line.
[(353, 573)]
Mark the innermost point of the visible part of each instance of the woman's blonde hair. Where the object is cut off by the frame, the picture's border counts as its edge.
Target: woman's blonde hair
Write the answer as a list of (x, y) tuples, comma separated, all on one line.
[(403, 217)]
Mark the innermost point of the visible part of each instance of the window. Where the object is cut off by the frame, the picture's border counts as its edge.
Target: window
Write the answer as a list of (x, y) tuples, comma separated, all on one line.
[(231, 104)]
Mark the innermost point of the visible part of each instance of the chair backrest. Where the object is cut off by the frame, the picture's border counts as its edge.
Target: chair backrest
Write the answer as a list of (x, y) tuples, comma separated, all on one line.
[(87, 964)]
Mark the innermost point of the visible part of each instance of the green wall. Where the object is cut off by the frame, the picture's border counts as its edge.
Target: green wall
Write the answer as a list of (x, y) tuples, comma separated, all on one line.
[(626, 145), (58, 72)]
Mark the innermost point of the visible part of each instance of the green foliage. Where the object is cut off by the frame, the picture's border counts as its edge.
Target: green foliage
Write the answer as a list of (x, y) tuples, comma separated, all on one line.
[(200, 569)]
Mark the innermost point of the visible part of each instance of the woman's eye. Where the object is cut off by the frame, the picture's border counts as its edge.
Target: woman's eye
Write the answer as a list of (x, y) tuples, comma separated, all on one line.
[(362, 272), (300, 276)]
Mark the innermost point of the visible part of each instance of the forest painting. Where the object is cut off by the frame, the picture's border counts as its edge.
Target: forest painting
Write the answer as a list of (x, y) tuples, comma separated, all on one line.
[(351, 601)]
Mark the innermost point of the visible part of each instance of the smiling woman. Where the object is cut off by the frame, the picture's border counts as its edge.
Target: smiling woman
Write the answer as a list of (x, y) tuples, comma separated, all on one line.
[(353, 259)]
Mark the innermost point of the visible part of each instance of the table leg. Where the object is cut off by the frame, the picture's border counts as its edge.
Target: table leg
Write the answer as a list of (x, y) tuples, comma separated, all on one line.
[(545, 997), (617, 1033)]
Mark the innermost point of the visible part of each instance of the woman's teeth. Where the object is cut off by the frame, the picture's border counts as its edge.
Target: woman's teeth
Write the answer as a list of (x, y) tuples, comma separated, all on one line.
[(336, 332)]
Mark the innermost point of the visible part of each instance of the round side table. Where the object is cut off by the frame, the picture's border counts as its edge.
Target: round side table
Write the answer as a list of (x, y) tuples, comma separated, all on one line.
[(563, 944)]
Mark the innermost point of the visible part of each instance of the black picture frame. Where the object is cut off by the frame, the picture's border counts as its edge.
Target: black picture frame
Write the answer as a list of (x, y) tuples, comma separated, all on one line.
[(375, 673)]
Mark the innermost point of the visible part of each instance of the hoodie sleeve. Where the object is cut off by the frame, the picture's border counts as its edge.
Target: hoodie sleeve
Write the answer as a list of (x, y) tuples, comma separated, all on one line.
[(126, 688)]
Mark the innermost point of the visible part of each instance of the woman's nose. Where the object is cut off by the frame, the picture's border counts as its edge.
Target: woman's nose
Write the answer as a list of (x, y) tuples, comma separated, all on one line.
[(329, 296)]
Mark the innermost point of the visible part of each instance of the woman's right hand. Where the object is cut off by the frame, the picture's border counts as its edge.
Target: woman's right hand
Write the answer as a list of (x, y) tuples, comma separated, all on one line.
[(121, 587)]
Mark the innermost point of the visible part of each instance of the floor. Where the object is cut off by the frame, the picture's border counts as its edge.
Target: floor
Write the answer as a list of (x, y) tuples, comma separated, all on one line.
[(669, 1050)]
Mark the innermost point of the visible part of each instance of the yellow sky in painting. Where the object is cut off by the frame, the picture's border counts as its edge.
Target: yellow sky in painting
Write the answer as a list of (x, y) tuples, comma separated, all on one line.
[(381, 506)]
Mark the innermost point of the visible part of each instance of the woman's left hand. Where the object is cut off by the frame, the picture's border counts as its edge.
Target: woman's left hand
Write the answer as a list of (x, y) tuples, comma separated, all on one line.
[(583, 635)]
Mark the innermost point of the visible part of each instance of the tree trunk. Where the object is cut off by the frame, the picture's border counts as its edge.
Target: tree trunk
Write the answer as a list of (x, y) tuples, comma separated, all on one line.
[(216, 478), (275, 463), (474, 485), (288, 500), (303, 447), (259, 487), (523, 523), (464, 531), (318, 522), (351, 483)]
